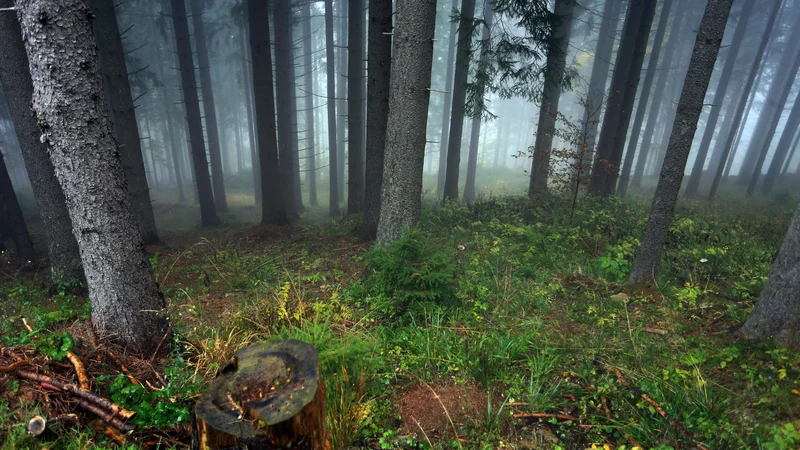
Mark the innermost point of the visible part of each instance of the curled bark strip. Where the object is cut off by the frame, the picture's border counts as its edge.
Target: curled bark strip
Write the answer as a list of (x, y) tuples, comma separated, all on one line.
[(80, 371), (545, 416), (56, 385), (672, 421)]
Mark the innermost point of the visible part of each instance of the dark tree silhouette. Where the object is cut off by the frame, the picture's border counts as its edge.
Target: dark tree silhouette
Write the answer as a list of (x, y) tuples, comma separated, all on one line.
[(333, 153), (447, 105)]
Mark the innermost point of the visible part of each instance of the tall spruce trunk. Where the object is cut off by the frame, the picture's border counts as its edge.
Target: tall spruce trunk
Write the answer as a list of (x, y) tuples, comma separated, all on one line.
[(785, 142), (15, 77), (777, 311), (175, 148), (297, 189), (641, 109), (447, 105), (690, 105), (379, 63), (209, 107), (679, 24), (355, 139), (273, 206), (409, 95), (595, 95), (247, 80), (118, 94), (719, 96), (341, 97), (11, 213), (284, 83), (624, 84), (475, 133), (126, 302), (771, 112), (205, 196), (742, 103), (555, 69), (791, 154), (460, 77), (308, 80), (330, 74)]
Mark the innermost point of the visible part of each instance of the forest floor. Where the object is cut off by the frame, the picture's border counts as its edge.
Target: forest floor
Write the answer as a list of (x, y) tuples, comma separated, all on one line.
[(501, 325)]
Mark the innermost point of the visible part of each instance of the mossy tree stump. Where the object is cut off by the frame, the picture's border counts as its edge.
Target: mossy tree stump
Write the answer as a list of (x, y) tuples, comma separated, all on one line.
[(270, 397)]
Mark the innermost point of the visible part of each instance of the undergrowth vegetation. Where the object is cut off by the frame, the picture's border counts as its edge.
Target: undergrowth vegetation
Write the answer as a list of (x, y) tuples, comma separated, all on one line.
[(518, 307)]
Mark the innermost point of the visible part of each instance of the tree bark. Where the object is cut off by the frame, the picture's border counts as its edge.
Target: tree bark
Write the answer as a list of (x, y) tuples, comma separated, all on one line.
[(379, 65), (284, 82), (557, 48), (475, 134), (625, 82), (208, 210), (355, 74), (448, 102), (719, 96), (118, 93), (596, 93), (409, 95), (777, 310), (247, 80), (679, 23), (296, 178), (209, 107), (641, 109), (460, 77), (341, 97), (311, 146), (175, 149), (273, 208), (62, 248), (742, 104), (65, 70), (771, 112), (690, 105), (333, 153), (787, 137)]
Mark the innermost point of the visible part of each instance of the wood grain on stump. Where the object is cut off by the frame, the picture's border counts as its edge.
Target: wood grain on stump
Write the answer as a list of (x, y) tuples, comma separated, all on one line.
[(270, 397)]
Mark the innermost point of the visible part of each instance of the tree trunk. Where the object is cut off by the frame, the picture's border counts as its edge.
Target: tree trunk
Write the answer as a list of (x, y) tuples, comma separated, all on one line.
[(652, 63), (787, 137), (690, 105), (557, 48), (247, 80), (333, 154), (475, 134), (770, 113), (355, 72), (596, 93), (125, 299), (341, 96), (62, 248), (208, 210), (209, 108), (296, 179), (448, 102), (624, 84), (679, 23), (742, 104), (311, 147), (175, 149), (777, 310), (791, 154), (118, 93), (284, 82), (460, 78), (719, 96), (379, 66), (409, 94), (273, 208)]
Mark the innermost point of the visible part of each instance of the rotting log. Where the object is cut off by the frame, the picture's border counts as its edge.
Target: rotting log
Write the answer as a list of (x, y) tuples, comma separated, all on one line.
[(270, 397)]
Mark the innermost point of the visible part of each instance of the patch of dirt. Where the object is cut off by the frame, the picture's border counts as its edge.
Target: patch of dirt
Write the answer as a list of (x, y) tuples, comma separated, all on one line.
[(433, 408)]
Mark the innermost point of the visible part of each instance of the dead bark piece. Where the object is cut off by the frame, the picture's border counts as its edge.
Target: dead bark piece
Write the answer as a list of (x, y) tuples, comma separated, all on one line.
[(80, 371), (270, 397)]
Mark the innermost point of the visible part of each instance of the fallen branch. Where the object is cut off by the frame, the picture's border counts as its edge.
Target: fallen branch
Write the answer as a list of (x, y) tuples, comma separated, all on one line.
[(545, 416), (13, 366), (109, 418), (58, 386), (80, 371), (683, 431)]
